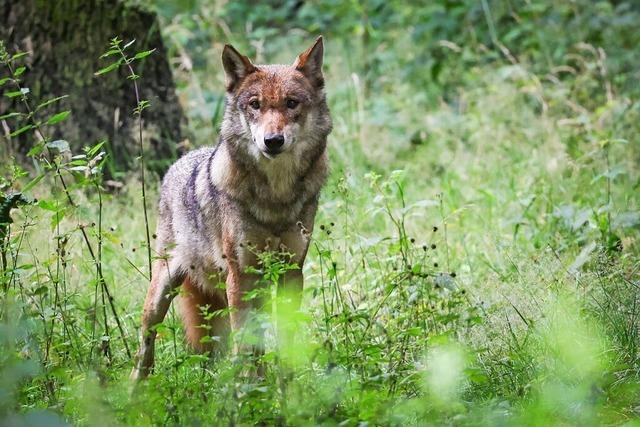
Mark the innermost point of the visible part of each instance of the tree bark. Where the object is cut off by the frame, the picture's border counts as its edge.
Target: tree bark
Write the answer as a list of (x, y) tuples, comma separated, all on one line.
[(65, 39)]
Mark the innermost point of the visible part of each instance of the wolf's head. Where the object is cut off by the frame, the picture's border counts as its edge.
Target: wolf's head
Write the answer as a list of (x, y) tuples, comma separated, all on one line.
[(276, 111)]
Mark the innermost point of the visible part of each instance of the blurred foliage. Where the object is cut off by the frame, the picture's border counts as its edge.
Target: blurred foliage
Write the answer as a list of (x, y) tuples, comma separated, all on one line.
[(418, 41)]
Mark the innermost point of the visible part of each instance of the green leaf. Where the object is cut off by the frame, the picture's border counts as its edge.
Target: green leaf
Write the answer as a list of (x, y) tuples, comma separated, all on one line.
[(32, 183), (95, 148), (109, 53), (108, 68), (4, 80), (50, 101), (13, 94), (19, 55), (48, 205), (143, 54), (21, 130), (19, 71), (57, 118), (35, 150), (9, 115)]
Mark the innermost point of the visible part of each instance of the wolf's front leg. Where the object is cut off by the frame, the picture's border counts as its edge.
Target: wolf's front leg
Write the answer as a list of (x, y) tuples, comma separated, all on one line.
[(290, 291), (166, 277), (246, 335)]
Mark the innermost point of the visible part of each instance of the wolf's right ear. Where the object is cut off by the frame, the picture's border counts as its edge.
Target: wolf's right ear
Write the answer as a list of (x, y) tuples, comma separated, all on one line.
[(236, 66), (309, 63)]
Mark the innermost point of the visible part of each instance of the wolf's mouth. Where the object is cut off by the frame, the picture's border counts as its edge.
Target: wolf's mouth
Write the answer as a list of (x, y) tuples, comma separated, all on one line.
[(270, 154)]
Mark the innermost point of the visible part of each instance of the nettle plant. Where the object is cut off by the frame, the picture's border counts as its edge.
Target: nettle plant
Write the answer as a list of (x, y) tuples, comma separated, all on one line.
[(384, 302), (41, 286)]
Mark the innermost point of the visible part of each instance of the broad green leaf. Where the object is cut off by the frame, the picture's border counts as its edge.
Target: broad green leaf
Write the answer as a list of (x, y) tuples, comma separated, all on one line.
[(48, 205), (109, 53), (143, 54), (21, 130), (95, 148), (4, 80), (108, 68), (19, 71), (13, 94), (35, 150), (57, 118)]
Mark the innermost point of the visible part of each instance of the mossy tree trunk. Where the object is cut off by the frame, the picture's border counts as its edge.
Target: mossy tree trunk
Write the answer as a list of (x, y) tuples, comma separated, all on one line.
[(65, 39)]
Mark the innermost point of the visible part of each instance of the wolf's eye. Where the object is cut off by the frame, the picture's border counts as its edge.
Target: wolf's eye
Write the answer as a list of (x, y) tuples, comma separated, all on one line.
[(292, 103), (254, 104)]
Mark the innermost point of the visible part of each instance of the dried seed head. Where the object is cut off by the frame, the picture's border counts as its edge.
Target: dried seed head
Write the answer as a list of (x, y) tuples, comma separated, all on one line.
[(435, 228), (412, 240), (433, 246), (435, 264)]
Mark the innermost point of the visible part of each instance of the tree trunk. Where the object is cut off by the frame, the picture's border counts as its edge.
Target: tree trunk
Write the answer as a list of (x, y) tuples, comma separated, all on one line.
[(65, 39)]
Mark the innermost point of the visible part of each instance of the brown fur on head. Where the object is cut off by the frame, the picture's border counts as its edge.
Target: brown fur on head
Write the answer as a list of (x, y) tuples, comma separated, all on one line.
[(276, 103)]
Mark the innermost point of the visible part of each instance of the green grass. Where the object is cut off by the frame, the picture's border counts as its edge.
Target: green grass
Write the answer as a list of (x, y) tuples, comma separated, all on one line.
[(474, 262)]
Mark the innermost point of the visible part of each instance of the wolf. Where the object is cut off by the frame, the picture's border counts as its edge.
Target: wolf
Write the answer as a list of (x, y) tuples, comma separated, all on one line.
[(258, 187)]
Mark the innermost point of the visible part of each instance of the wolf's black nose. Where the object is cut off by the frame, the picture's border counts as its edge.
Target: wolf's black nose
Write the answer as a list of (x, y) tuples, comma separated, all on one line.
[(273, 141)]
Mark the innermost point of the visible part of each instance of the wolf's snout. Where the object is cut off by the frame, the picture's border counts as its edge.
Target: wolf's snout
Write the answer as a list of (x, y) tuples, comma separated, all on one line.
[(274, 142)]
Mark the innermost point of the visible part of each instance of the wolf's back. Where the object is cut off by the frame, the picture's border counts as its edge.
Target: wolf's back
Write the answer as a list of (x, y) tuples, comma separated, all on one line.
[(178, 202)]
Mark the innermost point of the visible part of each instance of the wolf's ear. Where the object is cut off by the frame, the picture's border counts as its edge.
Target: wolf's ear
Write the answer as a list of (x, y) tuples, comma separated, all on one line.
[(236, 66), (309, 63)]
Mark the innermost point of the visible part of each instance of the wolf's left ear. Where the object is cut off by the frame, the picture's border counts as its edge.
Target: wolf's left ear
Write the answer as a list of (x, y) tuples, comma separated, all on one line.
[(309, 63), (236, 66)]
